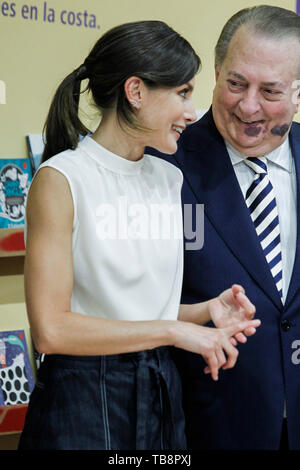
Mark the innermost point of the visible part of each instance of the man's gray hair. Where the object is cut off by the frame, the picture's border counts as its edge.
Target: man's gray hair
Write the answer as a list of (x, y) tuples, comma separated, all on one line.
[(268, 21)]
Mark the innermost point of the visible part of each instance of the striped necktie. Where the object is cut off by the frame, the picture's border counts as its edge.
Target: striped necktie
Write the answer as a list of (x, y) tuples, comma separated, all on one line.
[(260, 199)]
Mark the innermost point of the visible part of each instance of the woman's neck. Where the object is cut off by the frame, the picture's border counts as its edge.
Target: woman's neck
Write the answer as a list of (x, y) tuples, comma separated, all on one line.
[(111, 136)]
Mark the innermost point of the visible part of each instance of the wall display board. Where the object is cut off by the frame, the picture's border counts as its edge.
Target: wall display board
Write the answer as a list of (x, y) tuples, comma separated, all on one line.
[(44, 40)]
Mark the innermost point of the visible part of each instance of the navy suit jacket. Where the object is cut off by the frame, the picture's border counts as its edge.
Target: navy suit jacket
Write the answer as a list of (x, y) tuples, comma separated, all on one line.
[(244, 409)]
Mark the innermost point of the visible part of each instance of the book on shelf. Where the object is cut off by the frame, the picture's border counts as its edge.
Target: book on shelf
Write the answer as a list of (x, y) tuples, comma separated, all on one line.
[(15, 179), (35, 145), (16, 375)]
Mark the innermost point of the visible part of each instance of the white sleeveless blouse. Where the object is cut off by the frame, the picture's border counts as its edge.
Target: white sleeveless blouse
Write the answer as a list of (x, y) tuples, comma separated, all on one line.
[(127, 233)]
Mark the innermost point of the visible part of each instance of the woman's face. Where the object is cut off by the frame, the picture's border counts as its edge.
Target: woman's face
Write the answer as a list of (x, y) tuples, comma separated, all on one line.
[(166, 111)]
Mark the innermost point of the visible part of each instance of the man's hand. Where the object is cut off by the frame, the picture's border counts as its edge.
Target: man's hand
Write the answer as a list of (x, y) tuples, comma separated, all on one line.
[(231, 307)]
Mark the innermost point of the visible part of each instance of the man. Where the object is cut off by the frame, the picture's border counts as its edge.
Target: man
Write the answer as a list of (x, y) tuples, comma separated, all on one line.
[(251, 232)]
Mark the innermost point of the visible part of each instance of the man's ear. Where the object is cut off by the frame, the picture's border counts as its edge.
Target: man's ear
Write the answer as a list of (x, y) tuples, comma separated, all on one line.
[(298, 101), (133, 91), (217, 73)]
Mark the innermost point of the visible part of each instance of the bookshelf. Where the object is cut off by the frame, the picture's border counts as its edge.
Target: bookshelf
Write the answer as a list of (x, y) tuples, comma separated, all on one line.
[(13, 317), (12, 242)]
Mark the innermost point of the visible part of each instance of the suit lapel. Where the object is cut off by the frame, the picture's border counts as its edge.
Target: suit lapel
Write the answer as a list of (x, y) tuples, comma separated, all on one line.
[(295, 280), (208, 171)]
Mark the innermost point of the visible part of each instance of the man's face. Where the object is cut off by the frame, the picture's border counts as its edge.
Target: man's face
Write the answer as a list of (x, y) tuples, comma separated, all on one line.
[(255, 99)]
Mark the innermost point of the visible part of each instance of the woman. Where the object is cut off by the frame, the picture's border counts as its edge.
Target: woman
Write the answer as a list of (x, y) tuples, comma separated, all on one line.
[(102, 292)]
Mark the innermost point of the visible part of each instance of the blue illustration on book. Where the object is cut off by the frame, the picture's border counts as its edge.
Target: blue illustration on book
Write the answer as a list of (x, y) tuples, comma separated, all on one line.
[(15, 179), (16, 377)]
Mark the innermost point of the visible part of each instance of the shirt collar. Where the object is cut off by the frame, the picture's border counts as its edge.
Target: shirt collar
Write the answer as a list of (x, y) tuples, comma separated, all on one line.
[(280, 156)]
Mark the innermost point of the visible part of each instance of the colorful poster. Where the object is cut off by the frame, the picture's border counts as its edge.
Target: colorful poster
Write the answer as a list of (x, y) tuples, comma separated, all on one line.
[(16, 377), (15, 179)]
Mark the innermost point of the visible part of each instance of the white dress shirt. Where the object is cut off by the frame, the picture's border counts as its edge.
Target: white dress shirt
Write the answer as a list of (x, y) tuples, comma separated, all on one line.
[(281, 171)]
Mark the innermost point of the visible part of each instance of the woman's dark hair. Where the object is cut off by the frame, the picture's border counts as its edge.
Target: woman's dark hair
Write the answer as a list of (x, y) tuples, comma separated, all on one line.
[(150, 50)]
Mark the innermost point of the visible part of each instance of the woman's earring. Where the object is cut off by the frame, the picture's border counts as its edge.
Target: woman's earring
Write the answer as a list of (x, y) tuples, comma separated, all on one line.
[(135, 104)]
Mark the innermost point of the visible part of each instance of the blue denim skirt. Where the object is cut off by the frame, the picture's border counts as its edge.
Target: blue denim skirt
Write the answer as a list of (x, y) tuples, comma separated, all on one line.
[(115, 402)]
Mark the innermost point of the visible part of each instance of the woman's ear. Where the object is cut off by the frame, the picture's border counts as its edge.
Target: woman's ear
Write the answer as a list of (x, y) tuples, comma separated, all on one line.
[(133, 91)]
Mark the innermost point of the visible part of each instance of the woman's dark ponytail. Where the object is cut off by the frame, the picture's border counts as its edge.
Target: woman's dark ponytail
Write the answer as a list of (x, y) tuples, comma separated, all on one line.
[(63, 127), (150, 50)]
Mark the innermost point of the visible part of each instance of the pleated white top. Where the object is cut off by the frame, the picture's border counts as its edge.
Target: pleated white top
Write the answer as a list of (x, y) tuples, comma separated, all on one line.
[(127, 233)]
